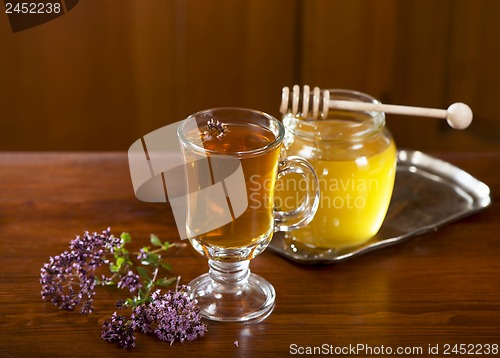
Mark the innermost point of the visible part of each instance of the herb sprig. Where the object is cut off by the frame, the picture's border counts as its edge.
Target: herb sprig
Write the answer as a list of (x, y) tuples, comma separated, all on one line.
[(216, 128), (150, 261), (70, 279)]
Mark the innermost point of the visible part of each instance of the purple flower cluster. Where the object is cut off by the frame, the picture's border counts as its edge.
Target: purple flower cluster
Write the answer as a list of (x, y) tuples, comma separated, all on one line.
[(68, 279), (131, 281), (119, 330), (176, 316), (172, 316), (143, 255), (217, 127)]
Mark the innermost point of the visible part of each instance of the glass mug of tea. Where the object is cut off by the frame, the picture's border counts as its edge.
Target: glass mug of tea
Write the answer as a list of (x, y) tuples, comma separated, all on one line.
[(233, 159)]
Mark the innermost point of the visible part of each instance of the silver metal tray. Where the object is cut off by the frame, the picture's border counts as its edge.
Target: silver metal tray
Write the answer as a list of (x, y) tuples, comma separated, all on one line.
[(428, 193)]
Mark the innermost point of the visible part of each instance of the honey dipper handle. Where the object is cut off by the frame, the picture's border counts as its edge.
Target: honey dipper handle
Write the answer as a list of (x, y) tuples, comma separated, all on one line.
[(388, 108), (459, 115)]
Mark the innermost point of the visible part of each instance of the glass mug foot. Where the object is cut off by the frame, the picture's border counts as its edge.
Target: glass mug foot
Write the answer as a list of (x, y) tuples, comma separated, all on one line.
[(229, 292)]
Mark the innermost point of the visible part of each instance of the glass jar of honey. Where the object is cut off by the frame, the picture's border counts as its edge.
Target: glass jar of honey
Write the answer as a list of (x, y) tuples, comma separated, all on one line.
[(354, 157)]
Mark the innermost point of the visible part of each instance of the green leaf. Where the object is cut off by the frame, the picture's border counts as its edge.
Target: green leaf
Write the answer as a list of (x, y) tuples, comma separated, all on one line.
[(119, 252), (155, 240), (166, 266), (125, 237), (120, 261), (151, 259), (166, 281), (143, 272), (128, 302), (114, 268)]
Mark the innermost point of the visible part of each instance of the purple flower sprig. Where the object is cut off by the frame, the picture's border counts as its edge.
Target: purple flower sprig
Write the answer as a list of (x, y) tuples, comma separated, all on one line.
[(216, 128), (169, 317), (143, 277), (70, 279)]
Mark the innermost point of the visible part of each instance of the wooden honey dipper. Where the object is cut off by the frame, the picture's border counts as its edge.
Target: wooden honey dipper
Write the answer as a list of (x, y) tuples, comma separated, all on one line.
[(458, 115)]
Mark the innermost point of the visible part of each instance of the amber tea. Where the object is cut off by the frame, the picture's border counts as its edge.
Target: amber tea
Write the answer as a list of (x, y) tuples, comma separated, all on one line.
[(254, 227)]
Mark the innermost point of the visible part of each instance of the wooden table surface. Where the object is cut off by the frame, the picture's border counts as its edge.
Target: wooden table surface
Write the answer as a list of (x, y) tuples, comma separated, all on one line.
[(437, 289)]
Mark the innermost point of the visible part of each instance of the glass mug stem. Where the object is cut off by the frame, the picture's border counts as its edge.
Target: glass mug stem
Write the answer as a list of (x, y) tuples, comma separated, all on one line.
[(229, 292)]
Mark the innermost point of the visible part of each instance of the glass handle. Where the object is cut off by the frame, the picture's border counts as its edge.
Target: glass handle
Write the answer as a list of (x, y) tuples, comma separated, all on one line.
[(304, 213)]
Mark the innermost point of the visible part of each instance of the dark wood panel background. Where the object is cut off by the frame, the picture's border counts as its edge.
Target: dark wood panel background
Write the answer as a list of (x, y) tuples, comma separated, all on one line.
[(108, 72)]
